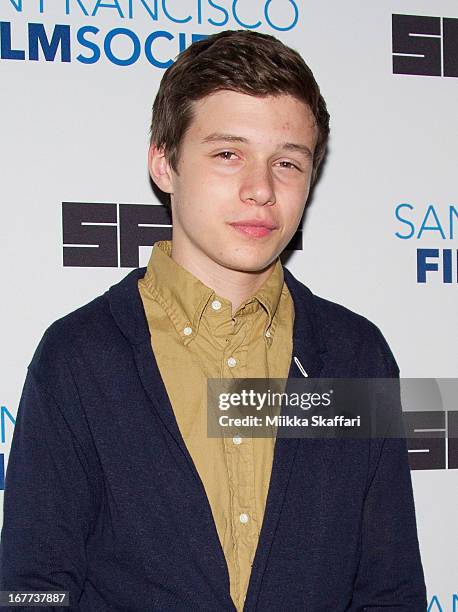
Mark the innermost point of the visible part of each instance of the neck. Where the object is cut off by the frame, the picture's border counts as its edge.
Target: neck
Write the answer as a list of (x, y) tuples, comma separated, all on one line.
[(233, 285)]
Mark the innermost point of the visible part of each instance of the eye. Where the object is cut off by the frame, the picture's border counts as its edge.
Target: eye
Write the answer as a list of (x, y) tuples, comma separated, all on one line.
[(225, 155), (289, 165)]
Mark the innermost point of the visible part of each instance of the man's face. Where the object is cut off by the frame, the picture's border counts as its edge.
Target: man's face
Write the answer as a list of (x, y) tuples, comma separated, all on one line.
[(244, 159)]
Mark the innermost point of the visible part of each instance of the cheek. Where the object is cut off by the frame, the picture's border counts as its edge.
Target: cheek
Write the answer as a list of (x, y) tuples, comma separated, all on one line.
[(292, 202), (198, 181)]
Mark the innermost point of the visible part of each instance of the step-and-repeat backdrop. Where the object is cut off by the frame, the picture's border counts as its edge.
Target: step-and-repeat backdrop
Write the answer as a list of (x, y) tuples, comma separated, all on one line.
[(77, 81)]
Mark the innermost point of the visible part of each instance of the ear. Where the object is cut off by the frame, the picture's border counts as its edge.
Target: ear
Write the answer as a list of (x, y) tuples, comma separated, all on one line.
[(160, 169)]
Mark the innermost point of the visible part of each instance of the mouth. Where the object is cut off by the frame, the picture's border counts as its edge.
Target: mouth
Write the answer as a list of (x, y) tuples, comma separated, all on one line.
[(253, 227)]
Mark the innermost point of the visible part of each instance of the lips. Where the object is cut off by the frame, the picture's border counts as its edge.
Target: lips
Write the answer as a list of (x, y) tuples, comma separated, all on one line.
[(254, 227), (255, 223)]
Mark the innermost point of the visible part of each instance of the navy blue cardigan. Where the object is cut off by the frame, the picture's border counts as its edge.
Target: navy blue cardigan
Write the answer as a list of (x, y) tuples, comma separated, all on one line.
[(102, 497)]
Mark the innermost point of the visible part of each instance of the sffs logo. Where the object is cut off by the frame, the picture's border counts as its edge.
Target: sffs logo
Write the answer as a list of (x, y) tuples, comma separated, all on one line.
[(432, 439), (425, 46), (110, 235)]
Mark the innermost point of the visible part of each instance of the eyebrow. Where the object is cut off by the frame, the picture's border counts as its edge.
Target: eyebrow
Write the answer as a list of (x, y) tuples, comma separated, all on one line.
[(285, 146)]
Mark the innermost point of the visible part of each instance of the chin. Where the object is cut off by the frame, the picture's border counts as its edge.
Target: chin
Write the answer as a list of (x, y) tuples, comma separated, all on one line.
[(248, 262)]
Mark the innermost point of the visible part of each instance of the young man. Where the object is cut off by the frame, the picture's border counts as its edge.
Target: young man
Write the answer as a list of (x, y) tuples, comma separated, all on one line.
[(114, 492)]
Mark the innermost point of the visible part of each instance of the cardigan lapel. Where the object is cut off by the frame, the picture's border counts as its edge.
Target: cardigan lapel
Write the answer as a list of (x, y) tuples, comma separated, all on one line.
[(308, 349), (127, 309)]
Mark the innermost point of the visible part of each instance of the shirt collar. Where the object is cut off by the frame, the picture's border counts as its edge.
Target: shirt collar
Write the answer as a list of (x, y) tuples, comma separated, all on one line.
[(185, 298)]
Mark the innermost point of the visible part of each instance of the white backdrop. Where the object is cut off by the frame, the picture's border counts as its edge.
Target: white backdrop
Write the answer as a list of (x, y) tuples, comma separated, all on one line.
[(77, 131)]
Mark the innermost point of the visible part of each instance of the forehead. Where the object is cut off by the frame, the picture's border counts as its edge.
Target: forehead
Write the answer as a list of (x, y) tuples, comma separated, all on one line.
[(260, 119)]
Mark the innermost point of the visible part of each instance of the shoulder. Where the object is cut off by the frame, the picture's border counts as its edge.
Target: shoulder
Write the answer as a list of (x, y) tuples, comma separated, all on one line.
[(340, 324), (346, 336), (357, 338), (86, 326), (90, 334)]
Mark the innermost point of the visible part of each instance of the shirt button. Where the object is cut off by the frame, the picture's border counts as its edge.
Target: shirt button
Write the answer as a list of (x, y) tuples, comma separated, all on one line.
[(216, 304), (244, 518), (268, 334), (231, 362), (237, 440), (187, 331)]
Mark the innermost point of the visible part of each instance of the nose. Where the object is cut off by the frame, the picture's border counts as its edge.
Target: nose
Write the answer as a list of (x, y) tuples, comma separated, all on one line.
[(257, 186)]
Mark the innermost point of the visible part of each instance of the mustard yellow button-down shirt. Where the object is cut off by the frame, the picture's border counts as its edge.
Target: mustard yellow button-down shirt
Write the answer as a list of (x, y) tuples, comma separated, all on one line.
[(194, 337)]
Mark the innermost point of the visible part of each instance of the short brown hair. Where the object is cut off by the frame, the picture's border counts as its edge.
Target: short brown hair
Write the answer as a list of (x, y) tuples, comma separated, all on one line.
[(239, 60)]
